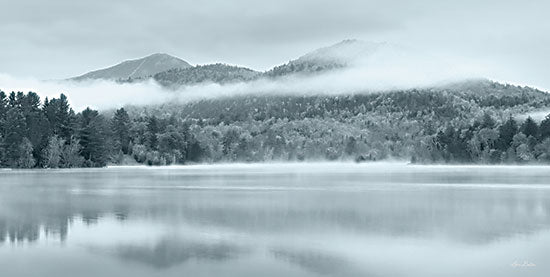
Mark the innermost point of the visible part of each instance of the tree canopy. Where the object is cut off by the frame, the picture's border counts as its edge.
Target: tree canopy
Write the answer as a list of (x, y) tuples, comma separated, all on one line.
[(471, 123)]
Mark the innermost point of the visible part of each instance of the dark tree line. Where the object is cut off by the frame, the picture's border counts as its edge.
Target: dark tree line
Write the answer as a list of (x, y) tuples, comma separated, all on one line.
[(471, 123), (486, 141), (50, 134)]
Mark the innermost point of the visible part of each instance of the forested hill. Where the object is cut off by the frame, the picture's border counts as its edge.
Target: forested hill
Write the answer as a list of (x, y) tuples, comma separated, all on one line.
[(212, 73), (468, 122), (349, 53), (337, 56)]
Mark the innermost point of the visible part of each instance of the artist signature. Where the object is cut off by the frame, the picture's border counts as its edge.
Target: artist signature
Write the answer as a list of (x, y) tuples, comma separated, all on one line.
[(522, 264)]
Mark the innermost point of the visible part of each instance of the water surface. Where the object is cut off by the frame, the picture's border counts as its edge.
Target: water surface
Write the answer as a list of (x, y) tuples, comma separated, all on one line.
[(276, 220)]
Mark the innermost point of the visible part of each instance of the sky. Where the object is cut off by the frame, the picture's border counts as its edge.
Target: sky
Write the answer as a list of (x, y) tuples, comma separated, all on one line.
[(505, 40)]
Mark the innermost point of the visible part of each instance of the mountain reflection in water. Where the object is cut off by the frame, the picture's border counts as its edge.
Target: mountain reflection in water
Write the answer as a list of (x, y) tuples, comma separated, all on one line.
[(298, 220)]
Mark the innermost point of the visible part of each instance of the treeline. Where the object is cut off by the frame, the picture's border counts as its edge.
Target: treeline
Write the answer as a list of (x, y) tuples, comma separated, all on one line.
[(200, 74), (470, 123), (211, 73), (488, 142), (223, 74), (50, 134)]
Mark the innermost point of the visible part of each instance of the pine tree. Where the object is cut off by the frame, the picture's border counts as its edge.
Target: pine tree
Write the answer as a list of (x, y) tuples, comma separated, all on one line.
[(14, 134), (530, 128), (12, 100), (37, 129), (506, 131), (544, 129), (3, 111), (94, 137), (3, 106), (60, 117), (120, 125), (153, 128)]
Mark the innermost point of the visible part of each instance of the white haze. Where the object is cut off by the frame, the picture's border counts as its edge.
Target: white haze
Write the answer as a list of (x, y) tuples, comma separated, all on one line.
[(382, 70), (99, 94)]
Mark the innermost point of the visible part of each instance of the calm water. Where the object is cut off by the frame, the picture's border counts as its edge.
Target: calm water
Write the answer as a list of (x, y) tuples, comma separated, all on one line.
[(276, 220)]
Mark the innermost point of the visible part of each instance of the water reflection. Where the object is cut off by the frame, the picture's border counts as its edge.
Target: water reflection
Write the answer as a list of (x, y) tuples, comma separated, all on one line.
[(469, 216), (313, 261), (304, 222), (169, 252)]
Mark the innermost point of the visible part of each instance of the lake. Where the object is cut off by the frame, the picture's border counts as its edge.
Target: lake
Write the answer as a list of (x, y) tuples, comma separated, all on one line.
[(321, 219)]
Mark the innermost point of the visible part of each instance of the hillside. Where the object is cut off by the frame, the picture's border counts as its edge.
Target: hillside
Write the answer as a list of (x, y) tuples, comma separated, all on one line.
[(467, 122), (409, 124), (340, 55), (212, 73), (139, 68)]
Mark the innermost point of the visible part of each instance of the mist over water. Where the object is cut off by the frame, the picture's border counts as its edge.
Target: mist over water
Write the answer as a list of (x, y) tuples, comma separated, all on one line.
[(323, 219), (249, 138)]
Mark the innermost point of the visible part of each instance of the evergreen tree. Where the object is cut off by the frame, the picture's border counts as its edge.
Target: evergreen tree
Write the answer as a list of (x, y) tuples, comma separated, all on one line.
[(230, 140), (530, 128), (153, 128), (37, 129), (255, 128), (507, 131), (544, 129), (93, 137), (15, 128), (3, 111), (120, 125), (60, 116), (3, 106), (12, 100)]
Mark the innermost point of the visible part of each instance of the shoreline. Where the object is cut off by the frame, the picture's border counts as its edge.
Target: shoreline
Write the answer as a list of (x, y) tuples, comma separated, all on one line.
[(288, 165)]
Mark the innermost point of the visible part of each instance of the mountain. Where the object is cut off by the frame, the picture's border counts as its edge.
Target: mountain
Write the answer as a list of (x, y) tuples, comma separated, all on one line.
[(455, 123), (474, 121), (173, 72), (344, 53), (139, 68), (339, 55), (211, 73)]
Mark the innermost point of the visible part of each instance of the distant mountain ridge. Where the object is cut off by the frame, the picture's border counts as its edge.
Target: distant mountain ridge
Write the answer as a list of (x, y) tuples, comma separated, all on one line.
[(210, 73), (138, 68), (360, 58), (337, 56), (173, 72)]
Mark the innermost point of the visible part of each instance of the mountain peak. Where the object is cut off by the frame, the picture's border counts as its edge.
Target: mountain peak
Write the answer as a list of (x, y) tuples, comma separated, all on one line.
[(339, 55), (349, 41), (137, 68), (343, 52), (160, 56)]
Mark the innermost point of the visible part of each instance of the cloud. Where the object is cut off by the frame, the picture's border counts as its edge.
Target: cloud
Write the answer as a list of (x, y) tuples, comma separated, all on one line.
[(387, 68), (99, 94), (63, 38)]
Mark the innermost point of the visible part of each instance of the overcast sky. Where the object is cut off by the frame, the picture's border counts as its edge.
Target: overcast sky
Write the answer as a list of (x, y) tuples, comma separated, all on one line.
[(64, 38)]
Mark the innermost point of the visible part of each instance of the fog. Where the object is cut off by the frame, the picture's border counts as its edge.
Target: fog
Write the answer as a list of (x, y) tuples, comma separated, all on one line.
[(59, 39), (329, 219), (99, 94), (379, 67)]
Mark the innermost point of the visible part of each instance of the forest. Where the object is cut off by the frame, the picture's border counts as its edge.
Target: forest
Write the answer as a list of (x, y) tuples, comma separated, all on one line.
[(471, 122)]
